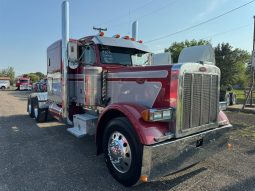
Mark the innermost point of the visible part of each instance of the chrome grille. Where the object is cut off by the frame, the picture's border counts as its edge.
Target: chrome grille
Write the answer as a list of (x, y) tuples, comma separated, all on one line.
[(200, 100)]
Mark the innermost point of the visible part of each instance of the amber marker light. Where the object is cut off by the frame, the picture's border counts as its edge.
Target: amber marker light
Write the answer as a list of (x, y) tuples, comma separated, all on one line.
[(140, 41), (133, 39), (144, 178), (146, 115)]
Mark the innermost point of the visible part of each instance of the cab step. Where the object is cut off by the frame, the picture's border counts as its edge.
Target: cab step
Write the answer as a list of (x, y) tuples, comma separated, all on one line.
[(84, 124)]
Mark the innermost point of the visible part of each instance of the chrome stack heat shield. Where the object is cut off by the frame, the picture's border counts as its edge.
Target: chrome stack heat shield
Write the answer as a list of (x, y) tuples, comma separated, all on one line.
[(65, 40)]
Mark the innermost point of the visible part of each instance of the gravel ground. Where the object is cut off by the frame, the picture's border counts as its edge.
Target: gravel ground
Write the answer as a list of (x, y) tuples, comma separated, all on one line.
[(46, 157)]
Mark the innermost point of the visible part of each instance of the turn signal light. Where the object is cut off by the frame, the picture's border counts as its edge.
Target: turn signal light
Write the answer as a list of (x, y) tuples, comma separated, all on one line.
[(133, 39), (146, 115), (101, 34)]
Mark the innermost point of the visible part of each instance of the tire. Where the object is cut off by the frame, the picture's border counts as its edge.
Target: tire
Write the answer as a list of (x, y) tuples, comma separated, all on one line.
[(3, 88), (39, 113), (30, 108), (120, 142)]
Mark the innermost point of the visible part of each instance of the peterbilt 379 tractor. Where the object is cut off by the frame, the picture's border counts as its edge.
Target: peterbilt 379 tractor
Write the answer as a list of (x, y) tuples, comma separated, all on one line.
[(149, 118)]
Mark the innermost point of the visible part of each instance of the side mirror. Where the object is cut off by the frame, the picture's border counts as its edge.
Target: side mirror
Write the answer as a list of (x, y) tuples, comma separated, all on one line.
[(73, 55)]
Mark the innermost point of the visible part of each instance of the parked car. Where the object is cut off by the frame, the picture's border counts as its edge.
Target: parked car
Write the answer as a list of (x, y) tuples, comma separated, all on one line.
[(4, 83)]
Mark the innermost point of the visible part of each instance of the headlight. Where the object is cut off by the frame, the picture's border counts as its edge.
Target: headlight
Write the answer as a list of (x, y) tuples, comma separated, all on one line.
[(157, 114)]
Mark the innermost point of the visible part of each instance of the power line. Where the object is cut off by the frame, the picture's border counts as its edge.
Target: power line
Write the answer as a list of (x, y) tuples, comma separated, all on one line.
[(217, 34), (146, 14), (158, 9), (224, 32), (124, 15), (199, 24)]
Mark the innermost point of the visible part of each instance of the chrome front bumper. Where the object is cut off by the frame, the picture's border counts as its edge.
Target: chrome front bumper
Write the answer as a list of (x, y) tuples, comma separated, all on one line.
[(172, 156)]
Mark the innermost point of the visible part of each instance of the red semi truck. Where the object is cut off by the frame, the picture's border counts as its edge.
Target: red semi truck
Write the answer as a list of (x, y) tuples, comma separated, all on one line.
[(23, 83), (149, 120)]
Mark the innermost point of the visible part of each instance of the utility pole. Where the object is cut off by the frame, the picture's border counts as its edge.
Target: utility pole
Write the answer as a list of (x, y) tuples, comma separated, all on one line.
[(250, 92)]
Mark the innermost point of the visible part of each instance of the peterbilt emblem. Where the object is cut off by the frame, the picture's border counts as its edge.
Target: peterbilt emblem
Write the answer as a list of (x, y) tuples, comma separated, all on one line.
[(202, 69)]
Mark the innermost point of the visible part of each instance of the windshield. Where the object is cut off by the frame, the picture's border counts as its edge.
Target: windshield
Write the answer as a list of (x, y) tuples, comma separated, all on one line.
[(122, 56), (23, 81)]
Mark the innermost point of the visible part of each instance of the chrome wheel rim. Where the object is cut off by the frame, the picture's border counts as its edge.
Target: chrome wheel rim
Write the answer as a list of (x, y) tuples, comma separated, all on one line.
[(119, 152), (36, 112)]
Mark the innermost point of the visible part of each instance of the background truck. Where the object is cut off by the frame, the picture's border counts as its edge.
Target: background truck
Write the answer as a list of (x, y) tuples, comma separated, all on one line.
[(23, 83), (149, 120), (4, 83), (40, 86)]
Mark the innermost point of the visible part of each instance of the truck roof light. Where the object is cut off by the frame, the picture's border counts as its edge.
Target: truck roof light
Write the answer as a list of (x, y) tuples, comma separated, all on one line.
[(126, 37), (101, 34), (116, 36), (140, 41), (133, 39)]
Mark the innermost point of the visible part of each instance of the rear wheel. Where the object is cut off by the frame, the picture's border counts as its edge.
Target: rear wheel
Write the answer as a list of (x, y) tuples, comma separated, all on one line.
[(3, 88), (122, 151), (39, 113)]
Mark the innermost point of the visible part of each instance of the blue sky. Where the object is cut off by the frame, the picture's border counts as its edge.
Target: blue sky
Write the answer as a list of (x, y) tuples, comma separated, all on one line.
[(28, 27)]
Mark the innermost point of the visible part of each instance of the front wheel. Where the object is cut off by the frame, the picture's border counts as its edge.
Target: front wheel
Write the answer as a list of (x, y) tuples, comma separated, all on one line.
[(30, 108), (39, 113), (122, 151)]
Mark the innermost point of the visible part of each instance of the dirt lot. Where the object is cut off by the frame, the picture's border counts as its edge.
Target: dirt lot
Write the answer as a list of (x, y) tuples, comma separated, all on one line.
[(46, 157)]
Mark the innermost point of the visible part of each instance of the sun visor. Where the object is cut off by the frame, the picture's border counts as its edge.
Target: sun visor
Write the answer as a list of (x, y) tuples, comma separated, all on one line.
[(200, 54), (119, 42)]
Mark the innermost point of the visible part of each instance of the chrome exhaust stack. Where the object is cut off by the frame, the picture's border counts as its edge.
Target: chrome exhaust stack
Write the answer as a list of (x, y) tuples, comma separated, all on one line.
[(135, 30), (64, 80)]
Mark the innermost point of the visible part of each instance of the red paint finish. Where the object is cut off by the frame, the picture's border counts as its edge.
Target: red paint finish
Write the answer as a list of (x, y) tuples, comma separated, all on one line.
[(222, 118), (163, 98), (174, 88)]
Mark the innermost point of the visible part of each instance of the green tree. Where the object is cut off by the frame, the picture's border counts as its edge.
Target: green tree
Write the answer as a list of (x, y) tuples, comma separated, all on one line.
[(232, 63), (36, 76), (33, 77), (176, 47), (40, 75), (9, 72)]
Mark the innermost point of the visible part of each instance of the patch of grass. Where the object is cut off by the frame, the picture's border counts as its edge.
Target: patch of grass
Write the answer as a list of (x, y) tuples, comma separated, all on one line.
[(247, 132), (241, 97)]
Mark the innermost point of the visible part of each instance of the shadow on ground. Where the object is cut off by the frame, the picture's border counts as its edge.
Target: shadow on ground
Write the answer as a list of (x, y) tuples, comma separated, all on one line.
[(22, 95), (49, 158), (247, 184)]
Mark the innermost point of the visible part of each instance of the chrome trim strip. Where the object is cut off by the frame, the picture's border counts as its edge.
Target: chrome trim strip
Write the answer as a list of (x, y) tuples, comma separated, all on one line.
[(171, 156), (192, 68), (142, 74)]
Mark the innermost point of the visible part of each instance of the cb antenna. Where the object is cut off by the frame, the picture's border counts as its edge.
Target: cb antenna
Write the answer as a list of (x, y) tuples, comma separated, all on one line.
[(99, 29)]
